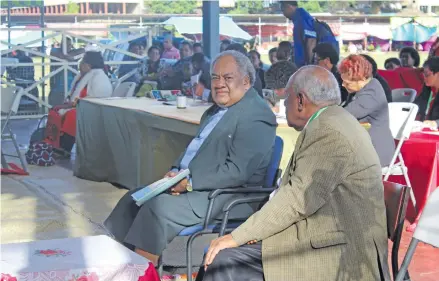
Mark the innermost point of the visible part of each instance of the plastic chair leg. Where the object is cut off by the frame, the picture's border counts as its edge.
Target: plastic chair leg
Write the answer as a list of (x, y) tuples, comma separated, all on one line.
[(407, 259), (17, 149)]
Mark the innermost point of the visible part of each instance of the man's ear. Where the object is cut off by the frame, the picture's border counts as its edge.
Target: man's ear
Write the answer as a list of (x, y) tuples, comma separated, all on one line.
[(247, 81), (299, 102)]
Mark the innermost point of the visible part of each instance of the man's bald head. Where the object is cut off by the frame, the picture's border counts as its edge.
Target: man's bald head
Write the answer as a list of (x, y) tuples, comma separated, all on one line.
[(317, 83)]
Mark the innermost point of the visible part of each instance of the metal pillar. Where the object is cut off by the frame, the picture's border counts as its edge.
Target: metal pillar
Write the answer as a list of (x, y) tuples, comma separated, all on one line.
[(211, 36), (9, 24), (43, 50)]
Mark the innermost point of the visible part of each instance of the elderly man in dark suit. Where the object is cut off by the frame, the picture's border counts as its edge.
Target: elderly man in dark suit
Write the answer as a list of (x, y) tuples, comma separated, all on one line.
[(233, 147)]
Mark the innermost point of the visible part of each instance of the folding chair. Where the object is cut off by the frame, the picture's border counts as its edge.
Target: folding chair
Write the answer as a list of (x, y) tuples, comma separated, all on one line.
[(210, 227), (402, 116), (396, 198), (125, 89), (403, 95), (10, 101), (426, 231)]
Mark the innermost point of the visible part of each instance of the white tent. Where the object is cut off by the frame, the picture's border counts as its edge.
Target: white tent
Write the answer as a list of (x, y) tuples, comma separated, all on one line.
[(194, 26)]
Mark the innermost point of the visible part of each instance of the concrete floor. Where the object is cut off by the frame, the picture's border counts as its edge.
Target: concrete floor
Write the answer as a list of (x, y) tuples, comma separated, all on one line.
[(50, 203)]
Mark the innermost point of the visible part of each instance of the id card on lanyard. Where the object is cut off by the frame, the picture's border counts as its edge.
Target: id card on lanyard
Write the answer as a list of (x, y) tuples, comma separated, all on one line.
[(429, 103)]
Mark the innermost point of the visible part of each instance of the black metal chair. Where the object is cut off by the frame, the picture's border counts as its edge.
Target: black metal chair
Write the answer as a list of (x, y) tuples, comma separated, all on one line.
[(396, 197), (211, 227)]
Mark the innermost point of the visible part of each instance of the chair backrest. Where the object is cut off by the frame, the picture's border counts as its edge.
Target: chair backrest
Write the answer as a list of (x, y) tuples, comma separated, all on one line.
[(403, 95), (125, 89), (427, 229), (273, 167), (396, 198), (10, 99), (401, 118)]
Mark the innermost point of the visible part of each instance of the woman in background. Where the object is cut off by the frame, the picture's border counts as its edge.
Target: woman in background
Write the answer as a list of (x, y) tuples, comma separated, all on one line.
[(428, 101), (409, 57), (380, 78), (255, 58), (90, 82), (368, 103)]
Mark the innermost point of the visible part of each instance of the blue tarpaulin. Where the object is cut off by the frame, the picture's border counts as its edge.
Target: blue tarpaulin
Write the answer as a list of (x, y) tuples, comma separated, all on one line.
[(194, 25), (413, 32)]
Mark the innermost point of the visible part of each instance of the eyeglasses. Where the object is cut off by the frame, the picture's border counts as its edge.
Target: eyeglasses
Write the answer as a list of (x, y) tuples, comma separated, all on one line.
[(427, 74)]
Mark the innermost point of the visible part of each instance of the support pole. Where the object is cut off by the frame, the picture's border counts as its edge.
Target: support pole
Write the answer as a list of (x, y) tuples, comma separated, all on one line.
[(211, 36), (43, 50), (9, 24)]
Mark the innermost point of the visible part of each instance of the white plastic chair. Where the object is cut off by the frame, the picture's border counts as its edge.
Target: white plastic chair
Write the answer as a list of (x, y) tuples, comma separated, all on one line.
[(125, 89), (426, 231), (403, 95), (401, 116), (10, 101)]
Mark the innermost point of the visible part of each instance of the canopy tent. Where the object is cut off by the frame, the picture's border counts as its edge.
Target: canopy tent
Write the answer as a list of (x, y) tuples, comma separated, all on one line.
[(413, 29), (21, 37), (194, 26)]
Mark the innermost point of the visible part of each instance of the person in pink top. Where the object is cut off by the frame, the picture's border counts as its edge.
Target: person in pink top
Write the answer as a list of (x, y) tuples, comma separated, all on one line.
[(170, 52)]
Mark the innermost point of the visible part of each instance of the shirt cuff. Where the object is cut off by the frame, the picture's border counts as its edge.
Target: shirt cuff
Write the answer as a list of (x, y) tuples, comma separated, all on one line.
[(175, 170)]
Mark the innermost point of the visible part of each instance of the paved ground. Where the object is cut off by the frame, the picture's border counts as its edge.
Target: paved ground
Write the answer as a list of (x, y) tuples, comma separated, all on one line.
[(51, 203)]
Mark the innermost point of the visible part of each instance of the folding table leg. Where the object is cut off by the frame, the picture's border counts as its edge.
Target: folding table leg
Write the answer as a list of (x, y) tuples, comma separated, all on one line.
[(407, 180), (407, 259), (4, 163), (17, 149)]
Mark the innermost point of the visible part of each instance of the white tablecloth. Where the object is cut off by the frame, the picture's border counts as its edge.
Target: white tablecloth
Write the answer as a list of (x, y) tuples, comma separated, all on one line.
[(91, 258)]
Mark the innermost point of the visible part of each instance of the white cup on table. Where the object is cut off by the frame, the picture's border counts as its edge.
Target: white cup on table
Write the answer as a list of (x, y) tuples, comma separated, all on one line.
[(181, 102)]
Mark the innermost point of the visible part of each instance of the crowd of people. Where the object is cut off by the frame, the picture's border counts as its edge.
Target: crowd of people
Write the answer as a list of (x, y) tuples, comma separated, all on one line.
[(309, 228), (327, 219)]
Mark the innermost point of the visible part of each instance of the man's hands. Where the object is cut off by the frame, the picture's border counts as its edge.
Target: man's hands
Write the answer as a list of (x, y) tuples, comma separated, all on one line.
[(179, 187), (217, 245)]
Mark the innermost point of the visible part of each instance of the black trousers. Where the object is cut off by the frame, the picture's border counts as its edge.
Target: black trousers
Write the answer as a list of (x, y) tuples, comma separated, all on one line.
[(241, 263)]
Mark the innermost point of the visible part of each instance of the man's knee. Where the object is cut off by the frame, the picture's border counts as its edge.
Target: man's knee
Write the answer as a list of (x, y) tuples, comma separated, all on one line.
[(224, 258)]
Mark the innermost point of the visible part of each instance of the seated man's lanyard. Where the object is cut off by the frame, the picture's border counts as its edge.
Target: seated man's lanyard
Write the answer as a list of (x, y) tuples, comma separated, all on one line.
[(429, 103), (315, 115)]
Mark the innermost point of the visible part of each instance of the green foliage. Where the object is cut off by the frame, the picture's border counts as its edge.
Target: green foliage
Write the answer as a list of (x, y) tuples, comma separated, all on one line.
[(20, 3), (311, 6), (170, 7), (248, 7), (72, 8)]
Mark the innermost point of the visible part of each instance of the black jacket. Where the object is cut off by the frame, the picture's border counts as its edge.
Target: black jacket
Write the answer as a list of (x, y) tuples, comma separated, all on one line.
[(422, 101)]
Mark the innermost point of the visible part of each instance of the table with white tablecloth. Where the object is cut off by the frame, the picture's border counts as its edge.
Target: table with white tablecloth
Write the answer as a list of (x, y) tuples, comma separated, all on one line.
[(134, 141), (97, 258)]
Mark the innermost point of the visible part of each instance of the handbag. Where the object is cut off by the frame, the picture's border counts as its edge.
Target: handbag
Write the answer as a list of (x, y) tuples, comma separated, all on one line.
[(40, 154), (40, 133)]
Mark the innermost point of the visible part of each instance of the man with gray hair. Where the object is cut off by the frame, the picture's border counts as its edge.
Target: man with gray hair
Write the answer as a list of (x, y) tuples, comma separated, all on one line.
[(327, 220), (232, 147)]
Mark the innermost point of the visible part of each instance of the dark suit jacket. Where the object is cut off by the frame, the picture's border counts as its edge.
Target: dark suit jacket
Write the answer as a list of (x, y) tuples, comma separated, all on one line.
[(237, 151), (422, 101), (370, 105)]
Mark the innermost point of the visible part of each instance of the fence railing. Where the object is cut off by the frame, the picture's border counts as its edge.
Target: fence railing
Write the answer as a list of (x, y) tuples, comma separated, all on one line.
[(50, 66)]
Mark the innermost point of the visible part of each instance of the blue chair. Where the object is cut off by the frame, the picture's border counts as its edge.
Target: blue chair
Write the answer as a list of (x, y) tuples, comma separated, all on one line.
[(209, 226)]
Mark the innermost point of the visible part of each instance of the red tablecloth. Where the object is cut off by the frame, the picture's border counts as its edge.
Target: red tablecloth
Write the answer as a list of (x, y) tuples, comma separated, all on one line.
[(421, 156)]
